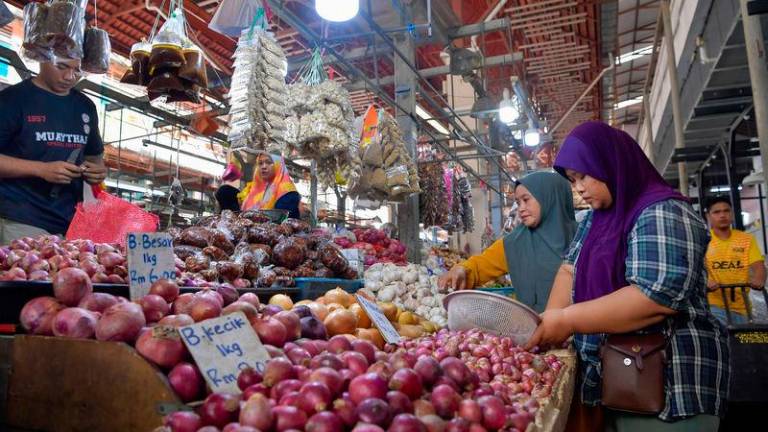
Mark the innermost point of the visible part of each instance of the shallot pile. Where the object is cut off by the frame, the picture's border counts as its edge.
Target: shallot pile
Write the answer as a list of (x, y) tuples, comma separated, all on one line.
[(439, 382), (375, 245)]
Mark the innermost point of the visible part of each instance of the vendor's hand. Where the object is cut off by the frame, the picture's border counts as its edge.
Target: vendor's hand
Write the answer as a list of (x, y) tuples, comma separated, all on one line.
[(553, 330), (94, 173), (59, 172), (712, 285), (456, 279)]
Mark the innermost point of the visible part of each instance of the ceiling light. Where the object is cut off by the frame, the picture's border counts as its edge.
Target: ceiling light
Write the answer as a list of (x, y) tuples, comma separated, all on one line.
[(628, 102), (508, 113), (436, 125), (532, 137), (337, 10), (634, 55)]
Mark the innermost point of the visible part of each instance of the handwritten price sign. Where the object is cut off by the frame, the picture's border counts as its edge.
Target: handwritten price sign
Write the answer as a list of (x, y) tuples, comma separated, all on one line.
[(150, 258)]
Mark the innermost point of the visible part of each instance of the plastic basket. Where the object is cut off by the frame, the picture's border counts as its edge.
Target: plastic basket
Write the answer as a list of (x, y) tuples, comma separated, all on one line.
[(312, 288), (491, 312)]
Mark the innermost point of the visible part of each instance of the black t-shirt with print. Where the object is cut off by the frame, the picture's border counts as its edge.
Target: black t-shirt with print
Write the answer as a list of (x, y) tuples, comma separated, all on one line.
[(38, 125)]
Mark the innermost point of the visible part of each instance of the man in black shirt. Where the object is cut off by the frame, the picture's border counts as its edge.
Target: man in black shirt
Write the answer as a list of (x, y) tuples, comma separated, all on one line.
[(44, 122)]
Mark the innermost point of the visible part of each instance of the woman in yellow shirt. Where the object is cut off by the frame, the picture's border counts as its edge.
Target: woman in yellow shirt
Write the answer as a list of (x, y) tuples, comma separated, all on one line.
[(533, 252)]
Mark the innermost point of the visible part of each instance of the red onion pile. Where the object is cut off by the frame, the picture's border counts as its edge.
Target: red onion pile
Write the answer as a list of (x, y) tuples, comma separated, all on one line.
[(451, 381)]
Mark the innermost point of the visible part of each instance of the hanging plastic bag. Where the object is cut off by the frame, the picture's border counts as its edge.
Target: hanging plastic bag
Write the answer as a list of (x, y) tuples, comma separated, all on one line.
[(6, 16), (138, 74), (64, 28), (96, 50), (167, 45), (34, 27), (193, 69), (234, 16), (109, 219)]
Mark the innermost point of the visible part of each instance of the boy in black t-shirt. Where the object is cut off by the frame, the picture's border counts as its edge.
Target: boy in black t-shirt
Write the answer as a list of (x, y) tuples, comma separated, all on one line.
[(43, 123)]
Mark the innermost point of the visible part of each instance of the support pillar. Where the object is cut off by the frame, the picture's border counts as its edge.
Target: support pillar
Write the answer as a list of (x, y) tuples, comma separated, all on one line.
[(674, 90), (405, 96), (758, 74), (313, 193)]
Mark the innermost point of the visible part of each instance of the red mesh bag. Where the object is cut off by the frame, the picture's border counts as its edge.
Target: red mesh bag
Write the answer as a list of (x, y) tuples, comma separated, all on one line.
[(109, 219)]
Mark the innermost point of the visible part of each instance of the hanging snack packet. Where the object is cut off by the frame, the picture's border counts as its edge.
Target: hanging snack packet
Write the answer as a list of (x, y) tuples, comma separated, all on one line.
[(193, 69), (166, 54), (96, 50)]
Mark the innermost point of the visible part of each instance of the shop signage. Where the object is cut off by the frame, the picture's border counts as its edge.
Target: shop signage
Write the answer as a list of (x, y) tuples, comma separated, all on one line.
[(222, 347), (379, 320), (150, 258)]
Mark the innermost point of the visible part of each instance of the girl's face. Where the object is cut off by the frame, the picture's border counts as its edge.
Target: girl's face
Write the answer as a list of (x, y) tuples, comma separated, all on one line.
[(592, 190), (527, 207), (266, 167)]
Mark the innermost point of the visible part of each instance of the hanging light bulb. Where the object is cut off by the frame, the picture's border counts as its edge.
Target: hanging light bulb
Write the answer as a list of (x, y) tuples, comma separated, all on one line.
[(337, 10), (532, 137), (507, 111)]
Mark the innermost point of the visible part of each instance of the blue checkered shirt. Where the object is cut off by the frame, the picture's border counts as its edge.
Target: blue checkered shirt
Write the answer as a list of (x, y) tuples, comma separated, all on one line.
[(665, 259)]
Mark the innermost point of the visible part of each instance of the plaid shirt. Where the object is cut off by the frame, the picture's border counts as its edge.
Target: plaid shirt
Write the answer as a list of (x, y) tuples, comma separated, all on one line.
[(665, 260)]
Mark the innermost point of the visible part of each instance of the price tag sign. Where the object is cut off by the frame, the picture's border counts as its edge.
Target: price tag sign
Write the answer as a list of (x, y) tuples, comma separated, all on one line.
[(379, 320), (222, 347), (150, 257)]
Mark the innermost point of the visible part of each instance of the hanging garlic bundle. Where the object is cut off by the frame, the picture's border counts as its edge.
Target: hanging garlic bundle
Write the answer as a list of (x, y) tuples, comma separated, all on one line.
[(433, 202), (258, 92)]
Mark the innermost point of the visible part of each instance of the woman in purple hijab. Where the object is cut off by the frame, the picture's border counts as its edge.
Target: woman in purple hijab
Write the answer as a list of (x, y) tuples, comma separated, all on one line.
[(636, 263)]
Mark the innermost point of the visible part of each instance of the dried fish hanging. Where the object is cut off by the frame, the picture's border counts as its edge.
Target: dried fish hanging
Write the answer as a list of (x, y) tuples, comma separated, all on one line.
[(258, 91), (320, 125), (433, 201), (55, 29), (461, 218)]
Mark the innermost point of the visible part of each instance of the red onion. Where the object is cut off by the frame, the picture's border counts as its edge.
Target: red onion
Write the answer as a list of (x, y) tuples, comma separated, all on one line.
[(278, 369), (259, 388), (246, 308), (165, 288), (406, 423), (70, 285), (288, 417), (339, 344), (274, 352), (110, 260), (520, 420), (248, 377), (257, 412), (38, 314), (326, 360), (471, 411), (209, 429), (382, 368), (444, 380), (203, 307), (314, 397), (227, 292), (302, 372), (97, 302), (176, 320), (284, 387), (445, 400), (346, 410), (370, 385), (494, 413), (154, 307), (428, 369), (408, 382), (237, 427), (298, 356), (309, 345), (100, 278), (312, 328), (324, 422), (291, 398), (271, 309), (181, 304), (115, 279), (162, 347), (302, 311), (220, 409), (423, 408), (399, 402), (330, 377), (186, 381), (121, 322), (456, 370), (374, 411), (74, 323), (38, 275), (433, 423), (291, 322), (271, 331), (183, 421), (250, 298), (355, 361), (92, 267), (457, 425), (365, 427), (14, 274)]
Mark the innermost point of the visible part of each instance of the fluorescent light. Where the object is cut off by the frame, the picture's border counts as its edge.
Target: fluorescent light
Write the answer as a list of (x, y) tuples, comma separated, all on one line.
[(634, 55), (337, 10), (628, 102), (720, 189), (532, 137), (508, 112), (436, 125)]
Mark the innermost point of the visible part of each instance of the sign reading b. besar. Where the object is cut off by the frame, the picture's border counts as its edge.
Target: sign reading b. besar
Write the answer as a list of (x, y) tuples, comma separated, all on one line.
[(150, 258), (222, 347)]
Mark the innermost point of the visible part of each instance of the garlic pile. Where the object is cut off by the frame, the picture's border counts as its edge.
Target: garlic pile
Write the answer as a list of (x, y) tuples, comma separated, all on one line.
[(410, 288), (257, 94)]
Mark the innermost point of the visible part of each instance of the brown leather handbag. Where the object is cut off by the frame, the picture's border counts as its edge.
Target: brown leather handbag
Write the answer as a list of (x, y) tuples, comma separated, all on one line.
[(633, 372)]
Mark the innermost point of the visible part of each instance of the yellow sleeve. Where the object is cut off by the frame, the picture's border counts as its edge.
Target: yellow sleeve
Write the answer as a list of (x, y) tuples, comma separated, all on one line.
[(487, 266), (754, 251)]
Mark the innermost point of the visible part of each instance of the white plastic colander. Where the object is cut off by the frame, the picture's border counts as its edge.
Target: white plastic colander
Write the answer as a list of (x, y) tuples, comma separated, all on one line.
[(490, 312)]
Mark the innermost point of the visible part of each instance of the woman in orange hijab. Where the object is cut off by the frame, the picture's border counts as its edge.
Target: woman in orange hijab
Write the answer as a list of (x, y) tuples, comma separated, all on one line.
[(271, 188)]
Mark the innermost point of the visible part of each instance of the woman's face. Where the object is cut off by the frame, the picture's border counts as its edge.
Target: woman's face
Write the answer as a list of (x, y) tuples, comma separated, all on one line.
[(265, 167), (592, 190), (527, 207)]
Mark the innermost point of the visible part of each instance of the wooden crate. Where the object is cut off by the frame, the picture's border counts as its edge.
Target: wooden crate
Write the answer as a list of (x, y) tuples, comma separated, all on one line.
[(67, 385)]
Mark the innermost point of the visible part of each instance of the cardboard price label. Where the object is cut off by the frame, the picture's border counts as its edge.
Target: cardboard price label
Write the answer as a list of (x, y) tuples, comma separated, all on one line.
[(150, 258), (222, 347), (381, 322)]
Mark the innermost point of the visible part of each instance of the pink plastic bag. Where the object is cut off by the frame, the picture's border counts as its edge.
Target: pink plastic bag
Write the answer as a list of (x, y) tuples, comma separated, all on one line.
[(109, 219)]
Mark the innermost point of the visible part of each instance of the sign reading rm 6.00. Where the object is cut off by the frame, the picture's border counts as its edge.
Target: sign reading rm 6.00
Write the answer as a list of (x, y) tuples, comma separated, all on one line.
[(150, 258)]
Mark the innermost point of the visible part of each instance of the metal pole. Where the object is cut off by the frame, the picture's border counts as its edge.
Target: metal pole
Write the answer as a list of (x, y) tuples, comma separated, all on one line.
[(313, 192), (758, 73), (674, 91), (762, 215)]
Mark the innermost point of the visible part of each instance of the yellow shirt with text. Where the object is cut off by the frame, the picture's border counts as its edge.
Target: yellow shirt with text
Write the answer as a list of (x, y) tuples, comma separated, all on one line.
[(728, 262)]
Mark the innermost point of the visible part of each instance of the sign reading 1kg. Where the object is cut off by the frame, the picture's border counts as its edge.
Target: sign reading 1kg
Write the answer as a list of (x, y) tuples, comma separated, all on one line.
[(150, 258)]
